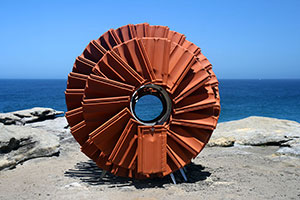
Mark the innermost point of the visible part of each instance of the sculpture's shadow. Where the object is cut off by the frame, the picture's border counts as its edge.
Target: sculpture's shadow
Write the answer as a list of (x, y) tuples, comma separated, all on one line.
[(88, 172)]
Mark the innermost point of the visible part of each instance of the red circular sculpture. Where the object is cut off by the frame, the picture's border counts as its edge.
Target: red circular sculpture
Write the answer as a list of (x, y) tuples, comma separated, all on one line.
[(107, 81)]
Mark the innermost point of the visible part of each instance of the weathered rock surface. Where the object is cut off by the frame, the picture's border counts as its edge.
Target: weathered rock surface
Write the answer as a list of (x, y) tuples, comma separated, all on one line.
[(221, 142), (28, 116), (291, 147), (20, 143), (257, 131), (57, 126)]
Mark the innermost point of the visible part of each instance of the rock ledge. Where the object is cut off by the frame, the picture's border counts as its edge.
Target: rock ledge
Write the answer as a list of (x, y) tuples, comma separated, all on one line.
[(28, 116), (259, 131)]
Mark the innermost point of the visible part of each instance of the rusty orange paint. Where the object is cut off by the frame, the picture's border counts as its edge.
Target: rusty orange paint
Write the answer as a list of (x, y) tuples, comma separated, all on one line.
[(101, 87)]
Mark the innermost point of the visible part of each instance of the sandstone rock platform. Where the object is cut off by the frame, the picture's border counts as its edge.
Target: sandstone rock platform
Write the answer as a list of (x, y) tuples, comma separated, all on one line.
[(251, 158)]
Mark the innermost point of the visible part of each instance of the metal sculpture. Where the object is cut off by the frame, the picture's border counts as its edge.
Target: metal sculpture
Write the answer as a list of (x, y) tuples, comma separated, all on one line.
[(121, 67)]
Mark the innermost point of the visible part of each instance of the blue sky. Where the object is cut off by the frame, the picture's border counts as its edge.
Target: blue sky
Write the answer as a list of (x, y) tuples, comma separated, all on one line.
[(242, 39)]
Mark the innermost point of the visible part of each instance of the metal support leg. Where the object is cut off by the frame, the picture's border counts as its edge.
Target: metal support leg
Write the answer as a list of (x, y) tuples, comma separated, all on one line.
[(183, 174), (102, 174), (173, 178)]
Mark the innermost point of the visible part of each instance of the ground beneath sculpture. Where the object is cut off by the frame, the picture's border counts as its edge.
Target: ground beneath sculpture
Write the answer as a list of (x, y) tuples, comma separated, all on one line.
[(267, 170), (217, 173)]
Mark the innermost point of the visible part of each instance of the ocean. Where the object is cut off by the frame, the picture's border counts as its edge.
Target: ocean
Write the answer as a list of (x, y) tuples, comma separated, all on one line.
[(239, 98)]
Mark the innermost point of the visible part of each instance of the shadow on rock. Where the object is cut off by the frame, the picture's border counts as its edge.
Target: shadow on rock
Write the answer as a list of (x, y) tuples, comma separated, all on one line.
[(88, 172)]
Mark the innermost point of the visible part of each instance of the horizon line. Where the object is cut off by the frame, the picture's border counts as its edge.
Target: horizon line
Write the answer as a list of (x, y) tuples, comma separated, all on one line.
[(218, 78)]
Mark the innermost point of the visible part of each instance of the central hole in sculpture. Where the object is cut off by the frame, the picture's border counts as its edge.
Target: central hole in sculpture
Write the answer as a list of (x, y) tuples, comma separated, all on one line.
[(150, 105)]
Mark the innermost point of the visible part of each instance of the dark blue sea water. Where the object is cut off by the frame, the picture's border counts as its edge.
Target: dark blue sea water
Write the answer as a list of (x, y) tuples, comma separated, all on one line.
[(269, 98), (23, 94), (239, 98)]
